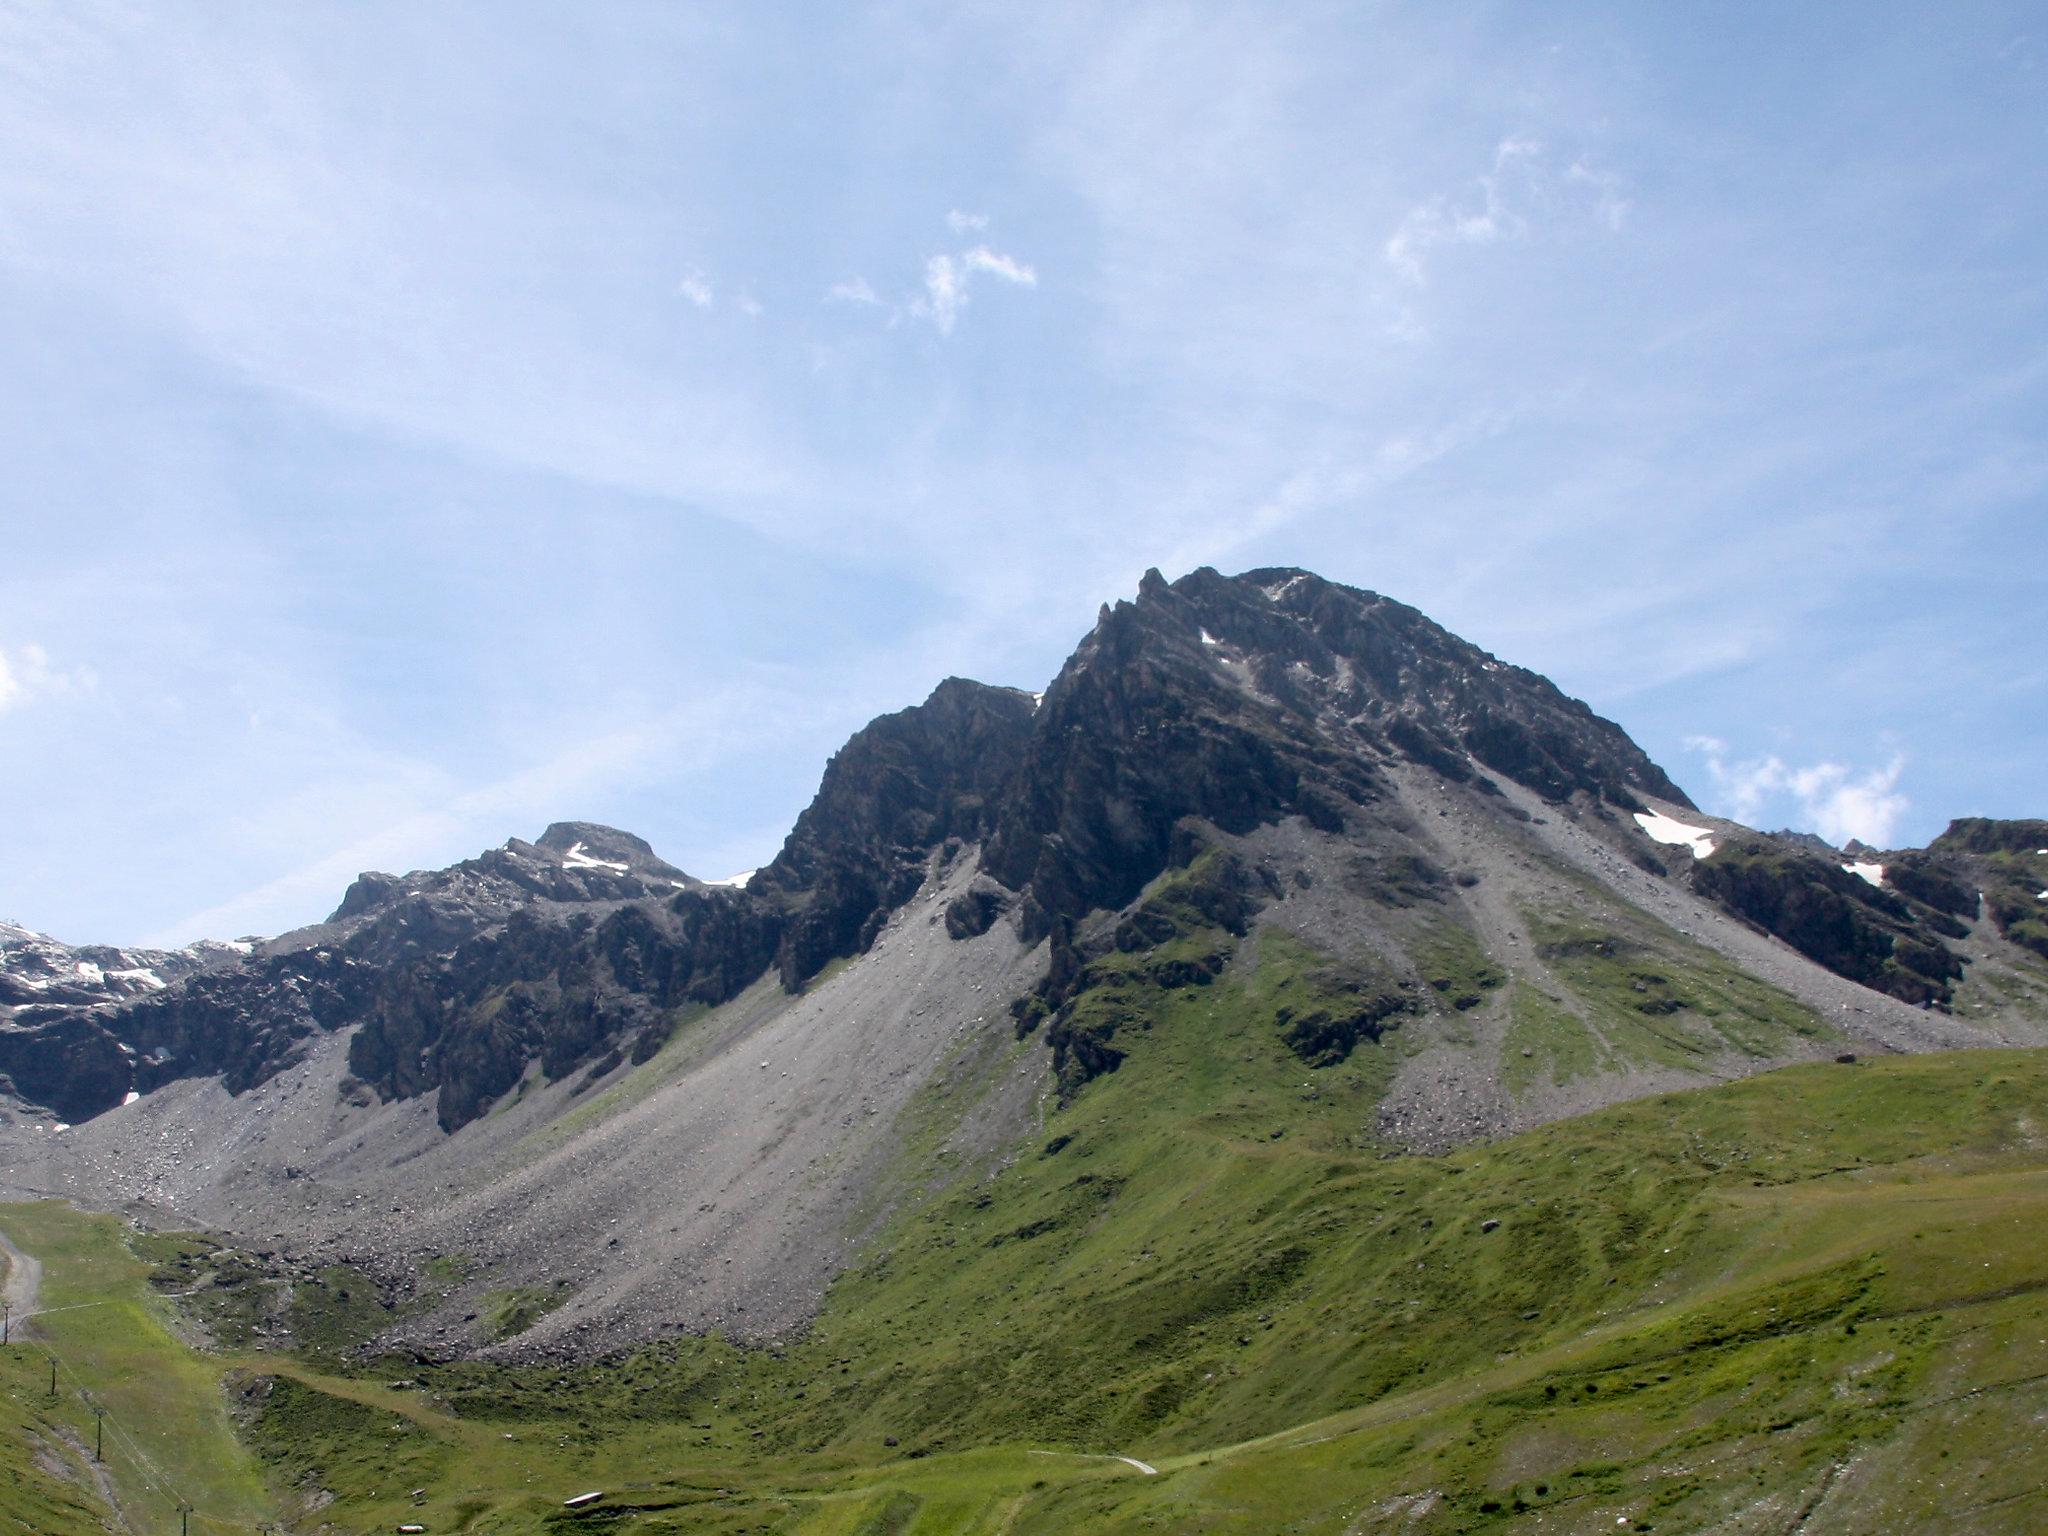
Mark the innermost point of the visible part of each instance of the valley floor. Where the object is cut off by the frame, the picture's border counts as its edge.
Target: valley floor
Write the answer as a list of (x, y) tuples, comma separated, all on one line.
[(1815, 1301)]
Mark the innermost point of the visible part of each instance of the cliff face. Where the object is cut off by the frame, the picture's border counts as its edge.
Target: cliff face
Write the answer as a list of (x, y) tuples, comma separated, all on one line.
[(899, 788), (1243, 700)]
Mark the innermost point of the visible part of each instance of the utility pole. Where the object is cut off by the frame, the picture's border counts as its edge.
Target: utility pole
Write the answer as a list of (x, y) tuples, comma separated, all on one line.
[(184, 1518), (99, 1428), (6, 1321), (53, 1375)]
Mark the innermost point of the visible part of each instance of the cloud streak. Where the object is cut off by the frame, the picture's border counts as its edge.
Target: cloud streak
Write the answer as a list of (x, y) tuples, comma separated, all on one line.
[(1504, 205)]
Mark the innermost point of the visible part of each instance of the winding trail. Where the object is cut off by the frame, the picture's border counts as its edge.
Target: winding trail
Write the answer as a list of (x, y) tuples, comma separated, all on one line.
[(1130, 1461)]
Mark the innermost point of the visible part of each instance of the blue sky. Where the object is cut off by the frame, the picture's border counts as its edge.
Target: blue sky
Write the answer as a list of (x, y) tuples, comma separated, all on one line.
[(425, 422)]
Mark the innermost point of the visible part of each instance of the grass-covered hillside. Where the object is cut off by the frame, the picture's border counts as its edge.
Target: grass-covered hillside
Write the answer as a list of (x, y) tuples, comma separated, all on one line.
[(1808, 1301)]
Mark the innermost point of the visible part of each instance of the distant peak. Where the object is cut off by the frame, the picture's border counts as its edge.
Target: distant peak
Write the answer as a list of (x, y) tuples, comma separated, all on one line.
[(561, 836)]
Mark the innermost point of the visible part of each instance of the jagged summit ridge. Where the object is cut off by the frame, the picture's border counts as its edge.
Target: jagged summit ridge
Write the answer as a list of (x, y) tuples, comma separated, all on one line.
[(1239, 700)]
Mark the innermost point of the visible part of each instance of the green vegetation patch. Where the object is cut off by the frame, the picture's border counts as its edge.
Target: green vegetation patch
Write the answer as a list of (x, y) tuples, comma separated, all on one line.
[(1546, 1042), (45, 1449), (1455, 966), (503, 1314), (1325, 1008), (1660, 1000)]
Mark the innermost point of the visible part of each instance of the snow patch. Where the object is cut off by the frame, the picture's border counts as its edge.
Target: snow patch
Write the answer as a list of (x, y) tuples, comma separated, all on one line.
[(576, 858), (142, 974), (1209, 639), (1660, 828), (88, 972), (1281, 589), (1874, 873), (735, 881), (131, 1097)]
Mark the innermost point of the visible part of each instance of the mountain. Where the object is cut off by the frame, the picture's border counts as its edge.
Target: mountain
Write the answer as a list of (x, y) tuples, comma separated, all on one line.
[(51, 993), (1417, 881)]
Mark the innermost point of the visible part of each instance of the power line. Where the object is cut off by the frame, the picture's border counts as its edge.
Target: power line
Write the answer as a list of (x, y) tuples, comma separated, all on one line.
[(152, 1474)]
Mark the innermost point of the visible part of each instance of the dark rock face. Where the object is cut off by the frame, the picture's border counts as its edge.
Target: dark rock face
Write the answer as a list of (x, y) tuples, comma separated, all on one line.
[(1210, 703), (1243, 700), (1984, 836), (897, 790), (560, 990), (66, 1062), (2008, 862), (394, 917), (55, 1000), (1884, 940), (95, 1029), (1890, 937), (245, 1023)]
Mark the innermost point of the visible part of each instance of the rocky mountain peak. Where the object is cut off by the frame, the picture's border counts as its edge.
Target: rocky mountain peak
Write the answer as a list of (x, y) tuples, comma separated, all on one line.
[(595, 841), (899, 787), (1241, 700)]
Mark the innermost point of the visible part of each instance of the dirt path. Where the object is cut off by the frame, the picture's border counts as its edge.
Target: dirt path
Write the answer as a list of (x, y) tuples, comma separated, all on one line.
[(24, 1279), (1130, 1461)]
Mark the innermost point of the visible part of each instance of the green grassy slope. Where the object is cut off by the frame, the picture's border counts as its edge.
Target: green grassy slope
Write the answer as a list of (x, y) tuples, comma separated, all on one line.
[(45, 1483), (1701, 1312), (170, 1435), (1822, 1287)]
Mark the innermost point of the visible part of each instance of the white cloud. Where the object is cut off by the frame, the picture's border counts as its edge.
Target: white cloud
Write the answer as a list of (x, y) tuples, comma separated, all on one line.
[(697, 289), (1609, 206), (1440, 221), (946, 279), (1832, 799), (26, 675), (945, 293), (855, 290), (1501, 205), (996, 264)]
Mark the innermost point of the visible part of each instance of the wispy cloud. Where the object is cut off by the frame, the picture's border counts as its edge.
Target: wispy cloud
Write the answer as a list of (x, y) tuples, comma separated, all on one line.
[(27, 674), (949, 278), (855, 290), (1480, 219), (946, 280), (1502, 205), (1837, 801), (697, 289)]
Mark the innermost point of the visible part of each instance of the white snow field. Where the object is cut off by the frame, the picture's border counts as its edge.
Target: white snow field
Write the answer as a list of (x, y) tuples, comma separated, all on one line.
[(1664, 829)]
